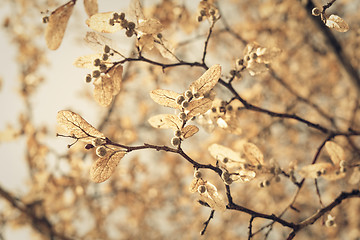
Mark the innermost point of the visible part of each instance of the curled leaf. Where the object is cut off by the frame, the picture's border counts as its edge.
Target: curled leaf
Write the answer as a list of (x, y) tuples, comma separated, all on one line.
[(253, 153), (76, 126), (335, 152), (102, 169), (165, 121), (100, 23), (91, 7), (56, 26), (189, 131), (166, 98), (337, 23), (207, 81)]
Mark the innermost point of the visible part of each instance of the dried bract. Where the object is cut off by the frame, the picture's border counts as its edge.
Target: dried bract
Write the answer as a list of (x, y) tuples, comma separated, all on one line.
[(102, 169), (77, 127), (56, 25)]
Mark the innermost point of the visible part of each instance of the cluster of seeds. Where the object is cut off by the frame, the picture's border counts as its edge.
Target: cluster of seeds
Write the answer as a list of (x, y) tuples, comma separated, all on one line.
[(120, 19), (182, 100), (100, 64), (207, 10)]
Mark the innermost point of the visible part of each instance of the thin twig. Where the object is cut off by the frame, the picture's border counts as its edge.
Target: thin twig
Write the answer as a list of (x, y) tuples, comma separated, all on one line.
[(207, 222)]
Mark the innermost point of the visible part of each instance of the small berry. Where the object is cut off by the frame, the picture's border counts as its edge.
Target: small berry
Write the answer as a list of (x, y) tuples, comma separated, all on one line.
[(98, 142), (201, 189), (196, 95), (175, 141), (106, 49), (199, 18), (315, 11), (131, 25), (159, 35), (122, 16), (129, 32), (213, 109), (96, 74), (103, 68), (261, 184), (105, 57), (318, 173), (259, 167), (277, 178), (97, 62), (88, 78), (112, 22), (185, 104), (212, 12), (202, 12), (197, 174), (225, 160), (182, 116), (228, 181), (225, 175), (188, 94), (177, 133), (101, 151), (180, 99), (116, 15), (229, 108), (124, 23), (240, 62)]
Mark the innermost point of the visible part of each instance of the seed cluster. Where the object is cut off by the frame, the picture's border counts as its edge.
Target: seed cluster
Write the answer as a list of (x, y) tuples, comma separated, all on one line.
[(120, 19), (100, 64), (207, 10)]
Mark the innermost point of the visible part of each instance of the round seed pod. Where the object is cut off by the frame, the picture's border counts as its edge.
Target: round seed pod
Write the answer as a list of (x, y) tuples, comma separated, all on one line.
[(197, 174), (180, 99), (101, 151), (175, 141), (201, 189)]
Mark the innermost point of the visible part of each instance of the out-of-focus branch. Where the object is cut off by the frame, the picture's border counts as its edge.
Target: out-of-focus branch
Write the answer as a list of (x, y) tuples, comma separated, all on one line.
[(335, 45), (39, 223)]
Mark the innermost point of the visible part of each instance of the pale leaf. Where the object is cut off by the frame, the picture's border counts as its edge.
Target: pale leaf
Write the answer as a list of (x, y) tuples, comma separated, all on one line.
[(166, 98), (116, 77), (165, 121), (337, 23), (334, 174), (86, 61), (253, 153), (335, 152), (314, 170), (91, 7), (102, 169), (207, 81), (103, 91), (76, 126), (198, 106), (165, 49), (97, 41), (149, 26), (56, 26), (219, 152), (100, 23), (189, 131)]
